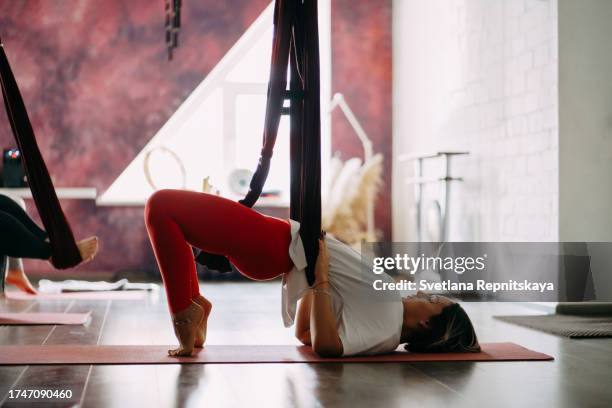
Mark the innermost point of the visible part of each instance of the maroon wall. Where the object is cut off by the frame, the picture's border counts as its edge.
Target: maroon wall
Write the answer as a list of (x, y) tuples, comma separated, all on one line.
[(97, 84), (361, 70)]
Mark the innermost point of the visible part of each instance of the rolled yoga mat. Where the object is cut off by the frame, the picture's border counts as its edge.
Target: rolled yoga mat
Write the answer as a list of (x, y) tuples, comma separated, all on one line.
[(26, 319), (80, 354), (575, 327), (584, 308)]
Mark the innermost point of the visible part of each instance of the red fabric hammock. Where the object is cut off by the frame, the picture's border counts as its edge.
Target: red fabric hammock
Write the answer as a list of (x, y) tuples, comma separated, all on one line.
[(295, 45), (65, 253)]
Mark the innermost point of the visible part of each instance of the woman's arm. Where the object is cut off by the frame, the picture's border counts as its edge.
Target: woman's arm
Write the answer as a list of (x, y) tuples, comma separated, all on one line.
[(323, 327), (302, 324)]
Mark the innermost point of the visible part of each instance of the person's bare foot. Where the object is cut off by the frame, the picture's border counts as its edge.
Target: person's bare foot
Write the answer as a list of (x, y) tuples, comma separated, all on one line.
[(186, 323), (88, 248), (200, 338), (18, 278)]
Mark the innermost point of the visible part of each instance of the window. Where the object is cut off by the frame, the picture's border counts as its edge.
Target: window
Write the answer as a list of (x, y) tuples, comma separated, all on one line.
[(219, 127)]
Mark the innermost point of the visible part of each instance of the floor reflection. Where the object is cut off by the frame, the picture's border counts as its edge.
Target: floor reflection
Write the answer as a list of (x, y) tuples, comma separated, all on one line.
[(189, 382), (248, 314)]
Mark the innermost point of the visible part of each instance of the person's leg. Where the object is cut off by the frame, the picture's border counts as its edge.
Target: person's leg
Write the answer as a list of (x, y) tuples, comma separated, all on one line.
[(9, 206), (20, 237), (256, 244), (16, 276), (17, 241)]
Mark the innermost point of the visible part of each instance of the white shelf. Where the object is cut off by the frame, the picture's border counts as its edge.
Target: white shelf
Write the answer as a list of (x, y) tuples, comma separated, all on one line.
[(90, 193), (263, 202), (63, 193)]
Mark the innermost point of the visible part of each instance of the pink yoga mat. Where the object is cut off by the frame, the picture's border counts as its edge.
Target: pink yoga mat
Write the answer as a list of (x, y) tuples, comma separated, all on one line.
[(101, 295), (78, 354), (19, 319)]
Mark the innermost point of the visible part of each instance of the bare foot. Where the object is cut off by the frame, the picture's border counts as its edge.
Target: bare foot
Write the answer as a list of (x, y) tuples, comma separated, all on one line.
[(88, 248), (186, 323), (201, 333), (19, 279)]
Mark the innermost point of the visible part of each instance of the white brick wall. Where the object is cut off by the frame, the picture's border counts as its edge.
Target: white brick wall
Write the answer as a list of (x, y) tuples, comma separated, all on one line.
[(495, 80)]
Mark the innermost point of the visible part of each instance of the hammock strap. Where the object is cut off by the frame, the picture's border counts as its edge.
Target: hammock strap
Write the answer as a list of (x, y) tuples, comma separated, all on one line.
[(296, 40), (306, 132), (283, 15), (65, 253)]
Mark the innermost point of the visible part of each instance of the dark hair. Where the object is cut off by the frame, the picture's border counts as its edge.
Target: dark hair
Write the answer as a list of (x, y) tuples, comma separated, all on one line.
[(451, 331)]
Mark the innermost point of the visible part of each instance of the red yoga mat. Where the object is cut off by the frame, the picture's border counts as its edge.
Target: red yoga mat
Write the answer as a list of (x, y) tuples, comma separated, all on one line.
[(19, 319), (79, 354), (101, 295)]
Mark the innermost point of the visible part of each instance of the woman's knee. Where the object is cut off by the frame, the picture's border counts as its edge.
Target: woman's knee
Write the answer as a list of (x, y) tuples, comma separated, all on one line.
[(158, 204)]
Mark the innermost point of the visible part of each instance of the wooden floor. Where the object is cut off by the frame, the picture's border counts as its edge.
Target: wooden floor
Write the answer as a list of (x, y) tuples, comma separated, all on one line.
[(249, 313)]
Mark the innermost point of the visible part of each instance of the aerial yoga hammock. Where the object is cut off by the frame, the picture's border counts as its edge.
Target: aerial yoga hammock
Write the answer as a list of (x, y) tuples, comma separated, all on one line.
[(64, 250), (295, 44)]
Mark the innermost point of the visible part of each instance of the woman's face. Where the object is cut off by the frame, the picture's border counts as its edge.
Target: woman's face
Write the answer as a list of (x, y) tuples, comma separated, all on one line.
[(419, 308)]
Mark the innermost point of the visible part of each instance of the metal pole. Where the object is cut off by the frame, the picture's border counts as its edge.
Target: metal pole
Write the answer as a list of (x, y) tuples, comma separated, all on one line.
[(447, 191), (418, 194)]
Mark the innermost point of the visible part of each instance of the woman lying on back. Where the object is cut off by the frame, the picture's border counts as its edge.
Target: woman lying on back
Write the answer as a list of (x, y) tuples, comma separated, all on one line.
[(341, 315)]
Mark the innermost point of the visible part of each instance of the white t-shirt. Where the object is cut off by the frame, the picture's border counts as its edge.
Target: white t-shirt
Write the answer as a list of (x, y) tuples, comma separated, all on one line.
[(368, 321)]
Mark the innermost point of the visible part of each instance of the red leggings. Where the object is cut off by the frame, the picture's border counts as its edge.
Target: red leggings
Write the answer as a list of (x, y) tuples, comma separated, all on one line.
[(256, 244)]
